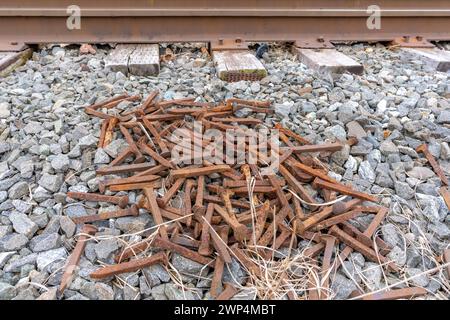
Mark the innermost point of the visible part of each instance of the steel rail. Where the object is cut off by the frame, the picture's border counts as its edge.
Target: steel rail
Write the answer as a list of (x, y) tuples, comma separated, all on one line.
[(144, 21)]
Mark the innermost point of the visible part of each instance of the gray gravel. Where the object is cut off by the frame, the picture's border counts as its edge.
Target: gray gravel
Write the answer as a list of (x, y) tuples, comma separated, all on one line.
[(48, 146)]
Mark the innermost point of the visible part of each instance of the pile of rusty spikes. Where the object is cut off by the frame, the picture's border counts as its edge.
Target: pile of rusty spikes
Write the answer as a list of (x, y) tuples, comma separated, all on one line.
[(227, 211)]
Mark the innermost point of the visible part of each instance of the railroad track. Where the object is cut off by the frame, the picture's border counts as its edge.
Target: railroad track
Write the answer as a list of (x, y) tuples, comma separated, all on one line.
[(139, 21)]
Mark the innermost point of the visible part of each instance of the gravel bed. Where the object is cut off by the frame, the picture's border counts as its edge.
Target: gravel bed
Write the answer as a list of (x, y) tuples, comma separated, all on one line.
[(48, 146)]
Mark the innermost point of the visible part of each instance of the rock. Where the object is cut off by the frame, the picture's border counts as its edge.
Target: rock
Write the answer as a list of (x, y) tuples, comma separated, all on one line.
[(372, 273), (439, 229), (387, 147), (105, 248), (187, 266), (49, 295), (87, 141), (104, 291), (13, 242), (366, 172), (17, 264), (398, 256), (342, 287), (335, 132), (390, 235), (445, 151), (115, 147), (418, 278), (403, 190), (444, 117), (255, 87), (22, 224), (33, 128), (234, 272), (4, 110), (7, 291), (19, 190), (355, 130), (131, 293), (68, 226), (155, 275), (45, 242), (284, 110), (101, 157), (173, 292), (132, 224), (60, 163), (47, 258), (75, 211), (158, 292), (22, 206), (341, 156), (4, 257), (421, 173), (51, 182)]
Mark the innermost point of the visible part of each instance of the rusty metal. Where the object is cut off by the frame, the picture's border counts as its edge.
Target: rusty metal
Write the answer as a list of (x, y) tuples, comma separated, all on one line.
[(314, 172), (368, 233), (75, 256), (219, 245), (205, 246), (157, 138), (199, 208), (155, 211), (101, 139), (362, 248), (162, 202), (155, 156), (127, 168), (121, 201), (245, 261), (133, 211), (240, 231), (102, 185), (267, 237), (195, 172), (121, 157), (411, 42), (129, 139), (135, 186), (177, 21), (323, 214), (445, 193), (188, 254), (112, 122), (279, 216), (338, 219), (261, 219), (325, 147), (131, 266), (405, 293), (187, 200), (296, 186), (291, 134), (319, 183), (326, 265), (228, 292), (446, 259), (313, 43), (434, 164), (229, 44), (224, 257)]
